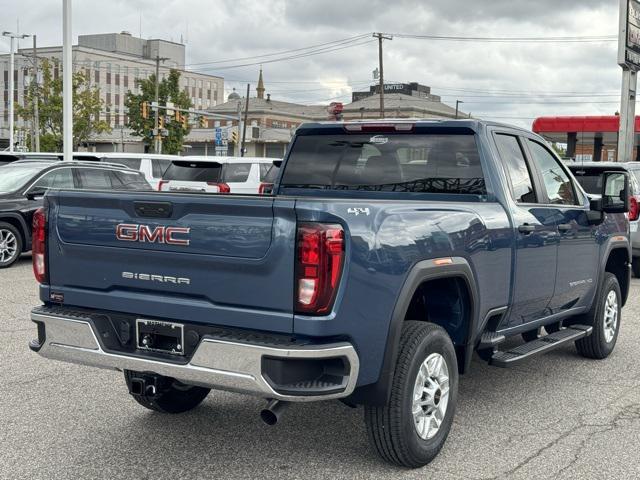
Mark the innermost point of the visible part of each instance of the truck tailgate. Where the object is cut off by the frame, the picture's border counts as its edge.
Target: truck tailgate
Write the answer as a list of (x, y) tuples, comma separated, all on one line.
[(236, 270)]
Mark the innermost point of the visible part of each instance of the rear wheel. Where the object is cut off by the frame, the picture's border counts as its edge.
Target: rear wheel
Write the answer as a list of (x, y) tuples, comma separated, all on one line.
[(604, 316), (164, 394), (412, 427), (10, 244)]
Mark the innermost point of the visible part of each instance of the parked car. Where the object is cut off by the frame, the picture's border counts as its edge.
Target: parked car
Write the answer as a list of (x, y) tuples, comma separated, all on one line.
[(240, 175), (9, 157), (266, 186), (24, 183), (151, 165), (387, 255), (589, 174)]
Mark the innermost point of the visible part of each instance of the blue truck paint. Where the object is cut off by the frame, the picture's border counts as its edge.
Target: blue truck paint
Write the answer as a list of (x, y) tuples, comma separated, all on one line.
[(241, 262)]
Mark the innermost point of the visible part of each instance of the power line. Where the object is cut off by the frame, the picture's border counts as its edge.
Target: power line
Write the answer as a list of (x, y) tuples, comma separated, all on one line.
[(567, 39)]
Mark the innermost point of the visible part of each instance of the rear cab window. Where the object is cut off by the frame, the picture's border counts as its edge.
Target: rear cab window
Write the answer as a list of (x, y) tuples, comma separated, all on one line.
[(193, 171), (236, 172), (425, 163)]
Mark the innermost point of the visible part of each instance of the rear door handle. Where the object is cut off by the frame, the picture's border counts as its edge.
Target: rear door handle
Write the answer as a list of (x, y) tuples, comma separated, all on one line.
[(526, 228), (564, 227)]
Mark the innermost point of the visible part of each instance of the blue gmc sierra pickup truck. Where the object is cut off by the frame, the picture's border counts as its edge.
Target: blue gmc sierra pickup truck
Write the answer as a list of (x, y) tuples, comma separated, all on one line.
[(387, 254)]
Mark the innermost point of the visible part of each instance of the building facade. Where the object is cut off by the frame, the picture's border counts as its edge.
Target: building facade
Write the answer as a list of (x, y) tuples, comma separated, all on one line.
[(113, 62)]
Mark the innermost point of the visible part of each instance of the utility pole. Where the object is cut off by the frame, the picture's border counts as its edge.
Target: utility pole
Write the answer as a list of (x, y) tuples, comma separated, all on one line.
[(458, 102), (36, 100), (12, 36), (239, 123), (158, 142), (244, 124), (380, 37)]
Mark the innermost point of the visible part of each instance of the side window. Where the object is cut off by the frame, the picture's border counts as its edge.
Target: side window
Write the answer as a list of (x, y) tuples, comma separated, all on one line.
[(264, 169), (556, 181), (61, 178), (236, 172), (122, 180), (158, 167), (94, 179), (516, 166)]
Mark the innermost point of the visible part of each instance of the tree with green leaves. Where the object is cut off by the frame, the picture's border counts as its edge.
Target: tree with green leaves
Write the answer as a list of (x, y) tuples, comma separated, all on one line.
[(87, 106), (168, 91)]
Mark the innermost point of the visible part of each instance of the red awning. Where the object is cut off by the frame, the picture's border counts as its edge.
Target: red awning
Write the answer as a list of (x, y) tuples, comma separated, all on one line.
[(605, 124)]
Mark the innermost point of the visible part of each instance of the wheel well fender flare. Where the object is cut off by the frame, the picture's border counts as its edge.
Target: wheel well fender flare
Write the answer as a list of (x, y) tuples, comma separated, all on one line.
[(424, 271)]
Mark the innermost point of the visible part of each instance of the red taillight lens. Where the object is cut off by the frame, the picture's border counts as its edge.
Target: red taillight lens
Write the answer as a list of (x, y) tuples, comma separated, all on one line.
[(319, 263), (634, 207), (39, 245), (222, 187), (265, 188), (161, 183)]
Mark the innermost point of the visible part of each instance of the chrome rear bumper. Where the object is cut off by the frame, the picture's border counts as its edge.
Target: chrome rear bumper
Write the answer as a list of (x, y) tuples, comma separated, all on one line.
[(216, 363)]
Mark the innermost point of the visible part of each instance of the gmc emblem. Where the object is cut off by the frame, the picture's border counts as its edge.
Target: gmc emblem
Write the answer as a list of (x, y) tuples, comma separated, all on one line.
[(131, 232)]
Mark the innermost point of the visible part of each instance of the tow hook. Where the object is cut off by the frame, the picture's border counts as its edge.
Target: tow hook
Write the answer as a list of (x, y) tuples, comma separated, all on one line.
[(273, 412)]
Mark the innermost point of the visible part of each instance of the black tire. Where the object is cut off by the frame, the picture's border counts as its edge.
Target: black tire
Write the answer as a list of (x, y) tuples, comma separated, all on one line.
[(175, 397), (596, 345), (8, 258), (635, 267), (391, 428)]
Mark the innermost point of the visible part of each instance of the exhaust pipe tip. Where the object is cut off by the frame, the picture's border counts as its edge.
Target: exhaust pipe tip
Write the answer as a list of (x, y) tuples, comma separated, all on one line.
[(271, 415)]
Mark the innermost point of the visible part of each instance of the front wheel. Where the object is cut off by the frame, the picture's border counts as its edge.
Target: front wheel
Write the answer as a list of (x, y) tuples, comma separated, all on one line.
[(412, 427), (10, 244), (604, 316)]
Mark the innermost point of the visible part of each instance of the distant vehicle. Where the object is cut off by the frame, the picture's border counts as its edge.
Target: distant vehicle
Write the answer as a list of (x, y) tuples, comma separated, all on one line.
[(23, 185), (589, 174), (240, 175), (151, 165), (9, 157)]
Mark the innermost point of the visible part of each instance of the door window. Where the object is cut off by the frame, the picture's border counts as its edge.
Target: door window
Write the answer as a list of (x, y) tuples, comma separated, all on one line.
[(516, 166), (61, 178), (94, 179), (556, 181)]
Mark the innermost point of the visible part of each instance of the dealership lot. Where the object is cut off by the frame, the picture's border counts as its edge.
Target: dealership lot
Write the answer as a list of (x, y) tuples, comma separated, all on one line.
[(558, 416)]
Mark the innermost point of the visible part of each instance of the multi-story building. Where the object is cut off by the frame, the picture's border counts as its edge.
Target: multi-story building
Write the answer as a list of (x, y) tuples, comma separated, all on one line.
[(113, 62)]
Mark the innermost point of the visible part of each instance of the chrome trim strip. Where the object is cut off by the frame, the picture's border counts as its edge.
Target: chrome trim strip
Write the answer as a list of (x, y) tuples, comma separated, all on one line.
[(217, 364)]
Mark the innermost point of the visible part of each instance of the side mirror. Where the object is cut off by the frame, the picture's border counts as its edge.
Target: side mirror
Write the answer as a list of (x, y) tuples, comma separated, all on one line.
[(615, 192), (35, 192)]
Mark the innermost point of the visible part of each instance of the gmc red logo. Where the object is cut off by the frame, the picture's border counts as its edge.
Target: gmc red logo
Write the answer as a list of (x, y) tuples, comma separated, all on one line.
[(131, 232)]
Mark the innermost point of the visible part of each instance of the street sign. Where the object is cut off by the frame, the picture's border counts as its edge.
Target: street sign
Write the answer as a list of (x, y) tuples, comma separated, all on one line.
[(218, 136), (629, 35)]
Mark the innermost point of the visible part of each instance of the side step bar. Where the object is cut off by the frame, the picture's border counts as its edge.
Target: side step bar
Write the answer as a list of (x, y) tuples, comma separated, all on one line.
[(541, 345)]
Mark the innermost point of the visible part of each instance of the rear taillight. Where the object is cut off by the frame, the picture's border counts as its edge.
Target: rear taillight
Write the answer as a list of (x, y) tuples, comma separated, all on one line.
[(222, 187), (265, 188), (320, 256), (39, 245), (634, 207), (161, 183)]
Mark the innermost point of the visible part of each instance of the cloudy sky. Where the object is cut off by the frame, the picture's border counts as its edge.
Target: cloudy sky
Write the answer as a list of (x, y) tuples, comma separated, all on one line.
[(512, 82)]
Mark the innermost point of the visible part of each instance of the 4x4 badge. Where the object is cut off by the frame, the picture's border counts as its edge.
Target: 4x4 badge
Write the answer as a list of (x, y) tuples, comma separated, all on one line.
[(358, 210)]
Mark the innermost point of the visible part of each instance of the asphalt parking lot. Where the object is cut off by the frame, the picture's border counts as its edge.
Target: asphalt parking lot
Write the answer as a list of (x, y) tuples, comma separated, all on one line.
[(558, 416)]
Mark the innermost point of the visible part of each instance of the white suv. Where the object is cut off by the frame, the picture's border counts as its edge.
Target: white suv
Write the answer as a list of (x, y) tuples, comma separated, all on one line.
[(241, 175), (151, 165)]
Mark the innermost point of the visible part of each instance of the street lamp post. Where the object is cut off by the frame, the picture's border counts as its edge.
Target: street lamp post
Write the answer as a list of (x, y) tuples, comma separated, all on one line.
[(458, 102), (12, 36)]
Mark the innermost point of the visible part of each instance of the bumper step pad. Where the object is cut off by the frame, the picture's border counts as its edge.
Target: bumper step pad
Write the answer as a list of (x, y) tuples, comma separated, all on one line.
[(541, 345)]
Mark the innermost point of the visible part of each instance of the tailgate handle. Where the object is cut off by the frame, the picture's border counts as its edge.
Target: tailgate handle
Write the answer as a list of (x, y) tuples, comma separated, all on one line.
[(153, 209)]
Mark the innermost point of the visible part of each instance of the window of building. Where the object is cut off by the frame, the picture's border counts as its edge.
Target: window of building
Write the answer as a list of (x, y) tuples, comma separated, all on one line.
[(108, 98), (517, 169), (117, 80), (117, 100), (97, 76), (208, 94)]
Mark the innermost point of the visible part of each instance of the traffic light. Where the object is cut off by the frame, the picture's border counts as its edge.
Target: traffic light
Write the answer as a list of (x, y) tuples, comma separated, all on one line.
[(178, 116), (234, 137), (185, 121), (202, 122), (144, 110), (160, 122)]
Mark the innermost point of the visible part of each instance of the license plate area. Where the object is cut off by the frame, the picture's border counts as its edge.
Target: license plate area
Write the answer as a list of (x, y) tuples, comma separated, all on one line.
[(158, 336)]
